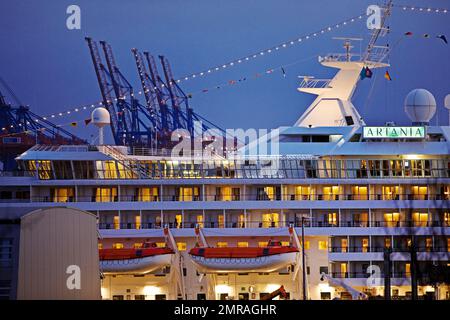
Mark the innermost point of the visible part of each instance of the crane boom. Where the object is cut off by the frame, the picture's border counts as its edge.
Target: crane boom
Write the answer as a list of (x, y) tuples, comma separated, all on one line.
[(103, 84), (118, 87)]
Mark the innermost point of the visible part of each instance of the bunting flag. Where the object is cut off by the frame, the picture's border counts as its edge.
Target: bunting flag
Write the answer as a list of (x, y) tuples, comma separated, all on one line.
[(426, 35), (74, 124), (443, 38), (284, 72), (365, 73), (87, 121), (409, 33), (387, 76)]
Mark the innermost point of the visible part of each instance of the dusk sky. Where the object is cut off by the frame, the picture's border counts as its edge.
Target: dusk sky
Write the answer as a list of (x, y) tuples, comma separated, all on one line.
[(49, 66)]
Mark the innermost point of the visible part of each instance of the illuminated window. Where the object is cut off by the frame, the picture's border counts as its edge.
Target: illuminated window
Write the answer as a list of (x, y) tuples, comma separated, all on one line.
[(448, 244), (62, 194), (221, 221), (181, 246), (302, 192), (137, 222), (116, 222), (332, 218), (331, 193), (200, 220), (285, 243), (106, 194), (343, 268), (387, 242), (262, 244), (100, 246), (420, 192), (359, 193), (420, 219), (242, 244), (160, 244), (45, 170), (222, 244), (307, 244), (365, 245), (392, 219), (390, 192), (138, 245), (344, 245), (118, 245), (408, 269), (428, 244), (323, 245), (148, 194), (270, 220), (178, 220), (188, 193)]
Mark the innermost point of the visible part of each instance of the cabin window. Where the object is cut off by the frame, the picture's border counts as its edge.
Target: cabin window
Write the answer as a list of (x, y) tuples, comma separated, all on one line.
[(106, 194), (242, 244), (147, 194), (160, 244), (392, 219), (62, 194), (222, 244), (137, 222), (116, 222), (323, 245), (270, 220), (181, 246), (45, 170), (63, 169), (262, 244), (118, 245), (420, 219), (83, 169), (137, 245), (100, 246)]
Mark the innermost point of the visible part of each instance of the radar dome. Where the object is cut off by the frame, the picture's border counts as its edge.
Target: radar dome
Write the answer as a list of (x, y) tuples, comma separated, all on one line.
[(420, 106), (447, 101), (100, 117)]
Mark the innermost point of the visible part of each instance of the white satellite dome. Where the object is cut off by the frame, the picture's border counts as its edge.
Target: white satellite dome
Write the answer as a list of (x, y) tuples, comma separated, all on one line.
[(100, 117), (447, 101), (420, 106)]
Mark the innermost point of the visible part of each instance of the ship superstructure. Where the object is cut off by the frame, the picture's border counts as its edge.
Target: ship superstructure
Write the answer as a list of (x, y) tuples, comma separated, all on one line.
[(339, 211)]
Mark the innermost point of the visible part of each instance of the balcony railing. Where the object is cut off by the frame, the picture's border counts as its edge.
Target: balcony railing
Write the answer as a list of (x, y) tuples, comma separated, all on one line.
[(360, 249), (235, 197), (238, 224)]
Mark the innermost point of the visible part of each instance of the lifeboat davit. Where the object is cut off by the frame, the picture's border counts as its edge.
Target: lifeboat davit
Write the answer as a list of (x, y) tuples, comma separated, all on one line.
[(135, 261), (250, 259)]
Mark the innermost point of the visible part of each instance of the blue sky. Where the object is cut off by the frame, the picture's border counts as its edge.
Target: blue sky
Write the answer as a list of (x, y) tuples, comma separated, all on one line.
[(50, 69)]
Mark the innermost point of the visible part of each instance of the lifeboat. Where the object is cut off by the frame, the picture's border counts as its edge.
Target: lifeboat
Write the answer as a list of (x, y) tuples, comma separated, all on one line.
[(143, 260), (250, 259)]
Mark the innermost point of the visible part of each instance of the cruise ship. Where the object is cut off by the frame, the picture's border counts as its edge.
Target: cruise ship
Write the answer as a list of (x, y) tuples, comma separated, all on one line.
[(332, 208)]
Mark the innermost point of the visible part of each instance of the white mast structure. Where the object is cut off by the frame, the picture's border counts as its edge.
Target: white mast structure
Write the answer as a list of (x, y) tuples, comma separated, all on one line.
[(333, 105)]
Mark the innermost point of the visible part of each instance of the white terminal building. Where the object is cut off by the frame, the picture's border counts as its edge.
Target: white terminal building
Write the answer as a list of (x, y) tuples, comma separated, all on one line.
[(234, 226)]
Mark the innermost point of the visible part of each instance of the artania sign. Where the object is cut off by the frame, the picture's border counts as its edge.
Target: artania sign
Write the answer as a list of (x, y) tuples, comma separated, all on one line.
[(393, 132)]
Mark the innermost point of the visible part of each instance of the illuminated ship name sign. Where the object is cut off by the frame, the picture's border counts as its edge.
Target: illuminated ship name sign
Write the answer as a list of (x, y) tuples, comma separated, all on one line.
[(394, 132)]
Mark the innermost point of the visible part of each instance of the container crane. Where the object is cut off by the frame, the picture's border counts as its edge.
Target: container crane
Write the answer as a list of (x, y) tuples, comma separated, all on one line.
[(20, 129)]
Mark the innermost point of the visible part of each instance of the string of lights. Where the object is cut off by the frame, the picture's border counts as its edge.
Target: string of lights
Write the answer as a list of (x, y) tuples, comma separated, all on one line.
[(421, 9), (271, 50)]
